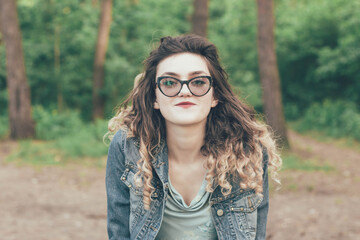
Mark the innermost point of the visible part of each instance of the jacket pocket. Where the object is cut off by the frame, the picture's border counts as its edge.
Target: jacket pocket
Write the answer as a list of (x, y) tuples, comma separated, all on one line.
[(244, 213), (128, 177)]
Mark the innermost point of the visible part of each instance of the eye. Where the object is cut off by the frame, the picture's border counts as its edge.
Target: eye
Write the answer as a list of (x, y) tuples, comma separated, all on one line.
[(198, 82), (168, 82)]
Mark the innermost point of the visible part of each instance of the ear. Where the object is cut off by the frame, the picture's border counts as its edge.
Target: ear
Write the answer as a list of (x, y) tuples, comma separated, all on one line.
[(156, 105), (214, 102)]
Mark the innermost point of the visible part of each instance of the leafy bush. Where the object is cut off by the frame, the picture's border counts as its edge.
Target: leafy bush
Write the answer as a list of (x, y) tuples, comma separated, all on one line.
[(318, 52), (53, 124), (86, 141), (4, 126), (77, 144), (34, 153), (334, 118), (72, 136)]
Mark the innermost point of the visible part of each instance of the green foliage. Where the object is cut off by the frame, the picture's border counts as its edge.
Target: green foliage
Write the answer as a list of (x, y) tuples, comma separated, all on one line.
[(318, 52), (334, 118), (65, 141), (232, 28), (3, 90), (53, 124), (4, 126), (35, 153), (71, 135), (293, 162), (317, 47), (87, 141), (71, 27)]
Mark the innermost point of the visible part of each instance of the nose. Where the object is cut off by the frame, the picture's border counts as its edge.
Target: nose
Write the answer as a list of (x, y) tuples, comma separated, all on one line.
[(184, 92)]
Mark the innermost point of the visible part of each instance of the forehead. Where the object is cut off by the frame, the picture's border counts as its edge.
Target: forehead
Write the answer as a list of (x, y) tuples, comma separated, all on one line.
[(182, 64)]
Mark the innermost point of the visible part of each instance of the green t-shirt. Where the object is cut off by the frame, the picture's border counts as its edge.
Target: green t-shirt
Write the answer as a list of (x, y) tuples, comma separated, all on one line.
[(183, 222)]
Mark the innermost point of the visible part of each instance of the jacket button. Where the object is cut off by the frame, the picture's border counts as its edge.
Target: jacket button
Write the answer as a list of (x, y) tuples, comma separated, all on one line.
[(220, 212)]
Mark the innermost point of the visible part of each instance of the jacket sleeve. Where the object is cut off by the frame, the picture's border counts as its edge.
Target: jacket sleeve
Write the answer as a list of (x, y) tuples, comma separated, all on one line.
[(118, 198), (264, 206)]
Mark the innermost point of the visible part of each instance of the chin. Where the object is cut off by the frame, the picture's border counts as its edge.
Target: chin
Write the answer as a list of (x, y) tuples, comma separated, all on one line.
[(187, 121)]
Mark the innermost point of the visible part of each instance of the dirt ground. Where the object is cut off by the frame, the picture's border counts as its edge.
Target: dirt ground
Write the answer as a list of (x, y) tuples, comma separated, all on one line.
[(63, 203)]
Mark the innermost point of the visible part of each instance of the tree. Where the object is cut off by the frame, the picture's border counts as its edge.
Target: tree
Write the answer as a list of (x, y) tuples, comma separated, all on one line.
[(21, 123), (100, 54), (269, 73), (200, 17)]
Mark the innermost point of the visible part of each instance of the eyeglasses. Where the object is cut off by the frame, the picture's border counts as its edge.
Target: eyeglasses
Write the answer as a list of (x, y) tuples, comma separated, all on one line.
[(198, 86)]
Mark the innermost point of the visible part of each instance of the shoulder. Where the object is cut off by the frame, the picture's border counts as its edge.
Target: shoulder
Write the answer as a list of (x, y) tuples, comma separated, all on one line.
[(119, 136), (122, 144), (118, 140), (122, 137)]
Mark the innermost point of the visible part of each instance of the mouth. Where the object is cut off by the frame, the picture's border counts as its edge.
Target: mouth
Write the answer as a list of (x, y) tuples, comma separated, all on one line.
[(185, 104)]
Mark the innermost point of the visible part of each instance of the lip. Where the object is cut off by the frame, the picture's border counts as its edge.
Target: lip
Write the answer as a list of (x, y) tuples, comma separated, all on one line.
[(185, 104)]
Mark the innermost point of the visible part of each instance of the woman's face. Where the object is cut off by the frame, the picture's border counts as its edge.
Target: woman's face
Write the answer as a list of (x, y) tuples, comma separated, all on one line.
[(184, 108)]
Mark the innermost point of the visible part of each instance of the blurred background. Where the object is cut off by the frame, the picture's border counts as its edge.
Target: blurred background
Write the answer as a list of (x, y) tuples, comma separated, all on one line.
[(65, 66)]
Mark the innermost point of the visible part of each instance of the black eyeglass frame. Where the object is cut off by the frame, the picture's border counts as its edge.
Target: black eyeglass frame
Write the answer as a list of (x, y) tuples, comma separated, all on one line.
[(184, 82)]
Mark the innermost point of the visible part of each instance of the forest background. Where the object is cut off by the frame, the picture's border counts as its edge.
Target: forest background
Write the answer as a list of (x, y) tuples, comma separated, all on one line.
[(317, 45), (318, 56)]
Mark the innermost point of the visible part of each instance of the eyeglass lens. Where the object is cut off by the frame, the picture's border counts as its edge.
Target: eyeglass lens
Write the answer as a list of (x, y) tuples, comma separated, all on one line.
[(198, 86)]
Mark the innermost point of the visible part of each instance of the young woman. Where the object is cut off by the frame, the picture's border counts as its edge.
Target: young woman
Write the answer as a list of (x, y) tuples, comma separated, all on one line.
[(188, 159)]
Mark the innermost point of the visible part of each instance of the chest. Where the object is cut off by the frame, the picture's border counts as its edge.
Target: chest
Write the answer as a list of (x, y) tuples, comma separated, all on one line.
[(234, 216), (187, 180)]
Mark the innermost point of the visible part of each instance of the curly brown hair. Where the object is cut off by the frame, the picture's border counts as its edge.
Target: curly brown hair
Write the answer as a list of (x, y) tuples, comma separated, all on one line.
[(234, 140)]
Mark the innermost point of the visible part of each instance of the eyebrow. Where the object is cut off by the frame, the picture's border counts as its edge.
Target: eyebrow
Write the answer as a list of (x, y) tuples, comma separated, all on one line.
[(195, 73)]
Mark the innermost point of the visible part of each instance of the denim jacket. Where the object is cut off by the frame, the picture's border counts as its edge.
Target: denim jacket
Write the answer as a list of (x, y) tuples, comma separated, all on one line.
[(241, 215)]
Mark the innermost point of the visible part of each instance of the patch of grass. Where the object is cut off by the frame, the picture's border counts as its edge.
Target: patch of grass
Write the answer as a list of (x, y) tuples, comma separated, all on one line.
[(87, 141), (337, 119), (83, 146), (310, 188), (44, 153), (293, 162), (35, 153), (51, 124), (4, 127), (292, 187), (344, 142)]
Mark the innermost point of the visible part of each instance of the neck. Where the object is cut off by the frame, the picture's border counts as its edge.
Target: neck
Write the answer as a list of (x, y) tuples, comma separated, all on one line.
[(184, 142)]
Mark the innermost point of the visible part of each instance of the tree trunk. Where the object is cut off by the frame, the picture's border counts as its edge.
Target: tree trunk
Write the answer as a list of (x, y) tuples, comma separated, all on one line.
[(200, 17), (21, 123), (100, 54), (269, 74)]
